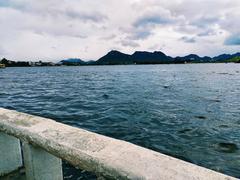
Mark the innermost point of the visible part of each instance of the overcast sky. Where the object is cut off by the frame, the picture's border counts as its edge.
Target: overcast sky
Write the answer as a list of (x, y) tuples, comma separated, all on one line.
[(88, 29)]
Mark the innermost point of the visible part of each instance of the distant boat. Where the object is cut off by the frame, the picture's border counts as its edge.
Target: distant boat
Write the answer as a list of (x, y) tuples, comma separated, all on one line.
[(2, 66)]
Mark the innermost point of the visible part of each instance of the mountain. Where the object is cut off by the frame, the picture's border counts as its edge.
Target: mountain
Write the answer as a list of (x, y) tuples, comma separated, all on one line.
[(72, 62), (156, 57), (222, 57), (139, 57), (193, 58), (115, 57), (226, 57), (235, 59)]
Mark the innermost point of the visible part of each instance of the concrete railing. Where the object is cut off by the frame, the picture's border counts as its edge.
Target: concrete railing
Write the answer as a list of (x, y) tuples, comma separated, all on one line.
[(45, 142)]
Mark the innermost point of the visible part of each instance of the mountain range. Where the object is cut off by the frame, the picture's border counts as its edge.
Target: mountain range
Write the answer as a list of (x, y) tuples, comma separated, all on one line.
[(139, 57), (157, 57)]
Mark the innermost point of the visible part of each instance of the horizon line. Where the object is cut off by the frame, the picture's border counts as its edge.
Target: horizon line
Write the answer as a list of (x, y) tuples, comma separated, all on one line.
[(85, 60)]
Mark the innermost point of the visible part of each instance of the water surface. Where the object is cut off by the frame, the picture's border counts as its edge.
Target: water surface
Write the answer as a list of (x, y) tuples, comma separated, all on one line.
[(188, 111)]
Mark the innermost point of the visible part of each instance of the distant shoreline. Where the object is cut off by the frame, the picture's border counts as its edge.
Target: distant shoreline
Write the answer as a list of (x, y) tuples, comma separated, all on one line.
[(138, 58), (120, 65)]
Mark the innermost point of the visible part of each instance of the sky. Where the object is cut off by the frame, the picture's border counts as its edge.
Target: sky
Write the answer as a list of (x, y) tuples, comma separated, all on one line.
[(52, 30)]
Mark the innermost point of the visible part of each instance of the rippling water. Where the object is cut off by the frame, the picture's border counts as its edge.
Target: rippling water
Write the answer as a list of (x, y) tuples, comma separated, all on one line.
[(188, 111)]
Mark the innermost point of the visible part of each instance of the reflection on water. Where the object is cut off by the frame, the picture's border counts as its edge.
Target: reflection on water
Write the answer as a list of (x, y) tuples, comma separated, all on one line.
[(188, 111)]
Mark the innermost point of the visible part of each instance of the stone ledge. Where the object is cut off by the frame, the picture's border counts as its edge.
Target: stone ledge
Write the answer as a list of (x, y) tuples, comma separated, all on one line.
[(102, 155)]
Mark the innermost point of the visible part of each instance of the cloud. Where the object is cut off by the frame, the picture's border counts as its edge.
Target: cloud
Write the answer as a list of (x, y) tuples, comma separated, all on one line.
[(129, 43), (232, 40), (188, 39), (4, 3), (71, 26), (2, 52), (208, 32), (152, 19), (85, 16), (109, 37), (140, 34), (157, 15), (205, 21), (148, 19), (156, 47)]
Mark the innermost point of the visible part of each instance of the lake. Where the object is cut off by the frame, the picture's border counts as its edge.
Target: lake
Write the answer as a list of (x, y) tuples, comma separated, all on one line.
[(189, 111)]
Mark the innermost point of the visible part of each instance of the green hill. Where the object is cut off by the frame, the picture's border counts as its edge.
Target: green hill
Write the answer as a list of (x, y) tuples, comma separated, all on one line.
[(235, 59)]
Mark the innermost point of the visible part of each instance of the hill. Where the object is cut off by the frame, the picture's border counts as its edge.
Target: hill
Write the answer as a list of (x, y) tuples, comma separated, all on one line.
[(72, 62), (226, 57), (115, 57), (139, 57), (158, 57)]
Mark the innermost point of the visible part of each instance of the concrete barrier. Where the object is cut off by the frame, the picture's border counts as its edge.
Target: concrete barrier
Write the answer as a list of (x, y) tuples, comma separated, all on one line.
[(40, 164), (104, 156), (10, 154)]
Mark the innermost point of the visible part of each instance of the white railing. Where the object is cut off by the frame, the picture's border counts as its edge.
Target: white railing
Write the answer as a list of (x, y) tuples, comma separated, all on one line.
[(45, 143)]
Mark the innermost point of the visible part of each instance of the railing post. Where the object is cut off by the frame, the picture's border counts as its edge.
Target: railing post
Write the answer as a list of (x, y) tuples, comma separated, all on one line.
[(10, 154), (40, 165)]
